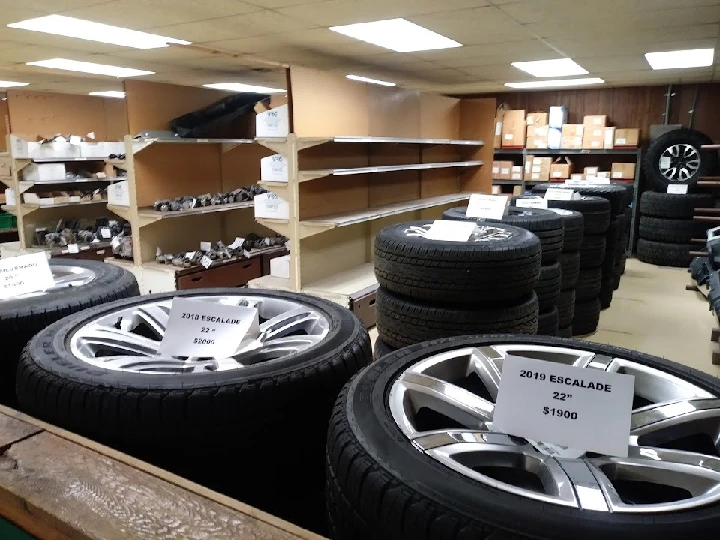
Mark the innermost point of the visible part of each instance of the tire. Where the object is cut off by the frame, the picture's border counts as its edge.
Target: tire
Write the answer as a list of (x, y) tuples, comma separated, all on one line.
[(588, 284), (217, 417), (565, 332), (679, 231), (615, 195), (22, 318), (570, 264), (587, 317), (546, 225), (674, 206), (606, 293), (592, 251), (548, 287), (574, 227), (616, 281), (382, 486), (613, 231), (548, 323), (402, 322), (595, 211), (664, 254), (566, 307), (500, 262), (689, 141), (381, 349), (613, 252)]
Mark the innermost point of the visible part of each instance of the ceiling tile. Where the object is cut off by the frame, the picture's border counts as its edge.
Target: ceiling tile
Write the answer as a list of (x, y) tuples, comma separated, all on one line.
[(57, 6)]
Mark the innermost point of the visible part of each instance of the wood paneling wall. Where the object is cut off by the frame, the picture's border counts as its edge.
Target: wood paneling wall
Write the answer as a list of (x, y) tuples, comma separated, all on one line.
[(4, 125), (634, 106)]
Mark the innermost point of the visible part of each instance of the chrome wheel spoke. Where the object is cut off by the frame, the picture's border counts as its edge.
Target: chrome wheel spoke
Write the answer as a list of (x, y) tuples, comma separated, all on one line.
[(285, 323), (109, 339), (76, 278), (666, 421), (154, 316)]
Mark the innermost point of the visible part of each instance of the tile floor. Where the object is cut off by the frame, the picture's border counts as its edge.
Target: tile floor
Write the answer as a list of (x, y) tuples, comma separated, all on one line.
[(653, 313)]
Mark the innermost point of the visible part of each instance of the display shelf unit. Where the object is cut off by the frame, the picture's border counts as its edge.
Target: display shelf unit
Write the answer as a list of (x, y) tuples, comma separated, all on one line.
[(362, 157)]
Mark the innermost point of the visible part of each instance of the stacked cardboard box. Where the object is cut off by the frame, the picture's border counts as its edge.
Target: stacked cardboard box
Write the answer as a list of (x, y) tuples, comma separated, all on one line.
[(627, 137), (513, 129), (502, 170), (537, 137), (561, 169), (594, 131), (625, 171), (539, 169), (572, 137)]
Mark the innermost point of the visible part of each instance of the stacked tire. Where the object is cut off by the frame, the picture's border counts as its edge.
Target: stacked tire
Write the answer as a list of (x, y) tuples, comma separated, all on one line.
[(550, 229), (439, 288), (667, 227)]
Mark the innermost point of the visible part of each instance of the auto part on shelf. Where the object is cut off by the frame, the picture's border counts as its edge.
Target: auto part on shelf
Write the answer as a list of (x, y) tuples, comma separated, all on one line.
[(675, 158)]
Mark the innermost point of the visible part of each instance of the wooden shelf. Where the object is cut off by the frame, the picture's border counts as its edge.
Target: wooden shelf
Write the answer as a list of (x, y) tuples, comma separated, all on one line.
[(508, 182), (141, 143), (149, 215), (304, 176), (307, 142), (26, 185)]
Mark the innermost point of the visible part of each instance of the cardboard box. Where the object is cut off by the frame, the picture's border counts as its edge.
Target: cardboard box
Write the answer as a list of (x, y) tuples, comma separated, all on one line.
[(528, 166), (269, 205), (591, 171), (627, 137), (609, 138), (517, 191), (603, 174), (274, 169), (513, 129), (577, 176), (10, 197), (496, 190), (623, 171), (537, 137), (557, 117), (46, 199), (44, 172), (554, 138), (593, 138), (540, 169), (280, 267), (571, 136), (119, 194), (537, 119), (273, 123), (5, 166), (595, 121), (561, 169), (499, 115), (516, 173), (22, 149), (502, 170)]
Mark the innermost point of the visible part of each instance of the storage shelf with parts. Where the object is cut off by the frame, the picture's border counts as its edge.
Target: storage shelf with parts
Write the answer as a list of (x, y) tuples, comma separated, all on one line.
[(375, 156)]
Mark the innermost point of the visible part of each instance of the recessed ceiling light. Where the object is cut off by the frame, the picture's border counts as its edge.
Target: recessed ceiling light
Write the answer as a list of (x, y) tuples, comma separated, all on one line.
[(10, 84), (555, 83), (690, 58), (371, 81), (60, 25), (109, 93), (397, 35), (240, 87), (562, 67), (89, 67)]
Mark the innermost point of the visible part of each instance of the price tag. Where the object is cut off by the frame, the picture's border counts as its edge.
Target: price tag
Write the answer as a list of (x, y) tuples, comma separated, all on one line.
[(677, 189), (206, 261), (207, 329), (115, 242), (190, 254), (559, 194), (73, 248), (105, 232), (451, 231), (486, 206), (665, 162), (575, 183), (205, 246), (237, 243), (535, 202), (597, 181), (585, 409), (24, 274)]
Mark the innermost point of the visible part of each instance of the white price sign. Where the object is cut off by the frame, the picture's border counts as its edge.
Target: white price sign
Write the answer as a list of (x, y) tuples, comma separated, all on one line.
[(239, 241), (665, 162), (73, 248), (559, 194), (206, 262), (451, 231), (25, 274), (585, 409), (575, 183), (207, 329), (597, 181), (105, 232), (534, 202), (677, 189), (486, 206)]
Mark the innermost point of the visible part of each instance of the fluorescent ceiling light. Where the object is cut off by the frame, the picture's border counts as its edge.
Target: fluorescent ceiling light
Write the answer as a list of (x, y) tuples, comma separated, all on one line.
[(10, 84), (240, 87), (109, 93), (555, 83), (371, 81), (89, 67), (562, 67), (60, 25), (397, 35), (690, 58)]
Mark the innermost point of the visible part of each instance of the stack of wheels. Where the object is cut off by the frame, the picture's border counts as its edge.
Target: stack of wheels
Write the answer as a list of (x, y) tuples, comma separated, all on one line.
[(617, 196), (667, 227), (439, 288), (549, 228)]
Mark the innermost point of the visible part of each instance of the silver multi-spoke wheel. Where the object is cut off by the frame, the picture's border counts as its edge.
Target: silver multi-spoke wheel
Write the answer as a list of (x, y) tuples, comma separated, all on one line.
[(129, 339), (679, 162), (65, 277), (444, 404)]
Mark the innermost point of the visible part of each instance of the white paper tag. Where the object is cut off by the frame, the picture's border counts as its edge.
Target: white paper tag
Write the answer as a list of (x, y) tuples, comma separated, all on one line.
[(486, 206), (558, 194), (115, 242), (665, 162), (190, 254), (73, 248), (206, 261), (677, 189), (508, 136), (620, 141), (105, 232), (575, 183), (452, 231), (531, 203), (584, 409), (75, 140), (25, 274), (597, 181), (207, 329), (617, 175), (237, 243), (205, 246)]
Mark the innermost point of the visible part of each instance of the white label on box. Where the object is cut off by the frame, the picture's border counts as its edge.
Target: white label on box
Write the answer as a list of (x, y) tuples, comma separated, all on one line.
[(273, 123), (269, 205), (205, 246), (451, 231), (274, 169), (597, 121), (617, 175), (557, 174), (498, 128), (597, 132), (665, 162), (75, 139), (237, 243), (595, 144), (536, 168), (559, 194), (504, 171), (516, 176), (206, 261), (584, 409), (535, 202), (486, 206), (25, 274), (190, 254), (678, 189), (578, 141), (620, 141), (535, 176), (105, 232), (539, 142), (597, 180), (508, 136), (73, 248), (496, 170), (207, 329)]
